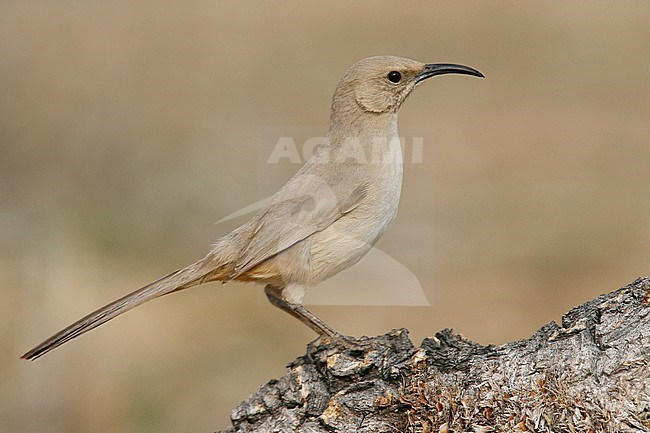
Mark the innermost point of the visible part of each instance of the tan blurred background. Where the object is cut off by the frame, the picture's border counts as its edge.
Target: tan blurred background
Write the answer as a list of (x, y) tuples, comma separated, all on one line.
[(128, 128)]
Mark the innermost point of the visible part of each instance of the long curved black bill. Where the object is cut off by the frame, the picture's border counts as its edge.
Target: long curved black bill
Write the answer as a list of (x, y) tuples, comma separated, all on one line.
[(433, 69)]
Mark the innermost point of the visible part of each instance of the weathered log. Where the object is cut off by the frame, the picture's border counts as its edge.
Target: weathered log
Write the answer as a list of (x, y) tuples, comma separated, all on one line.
[(589, 374)]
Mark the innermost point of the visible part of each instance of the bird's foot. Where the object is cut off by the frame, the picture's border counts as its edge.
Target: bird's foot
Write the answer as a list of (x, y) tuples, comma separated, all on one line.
[(346, 342)]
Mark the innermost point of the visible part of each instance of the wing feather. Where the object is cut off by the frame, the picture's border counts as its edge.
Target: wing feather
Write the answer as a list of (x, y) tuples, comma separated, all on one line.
[(306, 205)]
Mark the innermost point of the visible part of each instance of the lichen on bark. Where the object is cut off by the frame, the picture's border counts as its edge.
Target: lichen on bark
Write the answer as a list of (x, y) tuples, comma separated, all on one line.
[(591, 373)]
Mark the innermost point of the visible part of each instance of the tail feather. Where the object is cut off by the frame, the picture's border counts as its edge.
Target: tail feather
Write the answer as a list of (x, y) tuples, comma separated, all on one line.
[(184, 278)]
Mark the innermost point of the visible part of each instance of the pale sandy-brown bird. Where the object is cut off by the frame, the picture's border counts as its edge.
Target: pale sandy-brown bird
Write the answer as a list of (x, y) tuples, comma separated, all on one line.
[(325, 219)]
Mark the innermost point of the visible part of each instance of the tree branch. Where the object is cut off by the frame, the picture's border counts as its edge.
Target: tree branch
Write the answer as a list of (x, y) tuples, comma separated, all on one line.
[(589, 374)]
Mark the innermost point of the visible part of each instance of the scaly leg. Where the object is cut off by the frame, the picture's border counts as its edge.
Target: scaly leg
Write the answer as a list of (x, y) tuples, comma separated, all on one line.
[(299, 312)]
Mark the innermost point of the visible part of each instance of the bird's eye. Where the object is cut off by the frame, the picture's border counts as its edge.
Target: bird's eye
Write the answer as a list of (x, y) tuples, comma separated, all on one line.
[(394, 77)]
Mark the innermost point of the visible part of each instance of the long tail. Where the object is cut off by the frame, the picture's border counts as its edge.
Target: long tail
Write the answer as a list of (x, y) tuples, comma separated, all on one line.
[(184, 278)]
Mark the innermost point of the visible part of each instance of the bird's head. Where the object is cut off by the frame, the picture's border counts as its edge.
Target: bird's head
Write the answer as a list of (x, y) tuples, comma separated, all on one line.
[(381, 84)]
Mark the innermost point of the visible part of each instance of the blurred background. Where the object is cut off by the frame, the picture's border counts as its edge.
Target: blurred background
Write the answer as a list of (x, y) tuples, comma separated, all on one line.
[(128, 128)]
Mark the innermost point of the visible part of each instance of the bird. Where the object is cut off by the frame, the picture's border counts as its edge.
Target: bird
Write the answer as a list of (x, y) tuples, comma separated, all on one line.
[(324, 219)]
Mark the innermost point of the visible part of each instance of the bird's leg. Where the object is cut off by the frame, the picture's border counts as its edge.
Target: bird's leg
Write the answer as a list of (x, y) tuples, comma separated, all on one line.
[(308, 318), (299, 312)]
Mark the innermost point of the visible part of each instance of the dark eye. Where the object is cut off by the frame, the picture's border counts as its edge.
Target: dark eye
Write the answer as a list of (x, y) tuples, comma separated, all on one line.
[(394, 77)]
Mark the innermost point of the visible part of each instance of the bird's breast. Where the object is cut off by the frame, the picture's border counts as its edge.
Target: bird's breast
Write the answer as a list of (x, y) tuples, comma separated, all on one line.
[(349, 238)]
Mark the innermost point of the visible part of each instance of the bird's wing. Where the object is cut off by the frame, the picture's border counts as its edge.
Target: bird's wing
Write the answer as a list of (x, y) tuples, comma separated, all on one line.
[(306, 205)]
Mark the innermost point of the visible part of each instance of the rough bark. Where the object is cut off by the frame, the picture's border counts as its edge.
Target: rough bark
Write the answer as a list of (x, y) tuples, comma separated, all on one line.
[(591, 373)]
